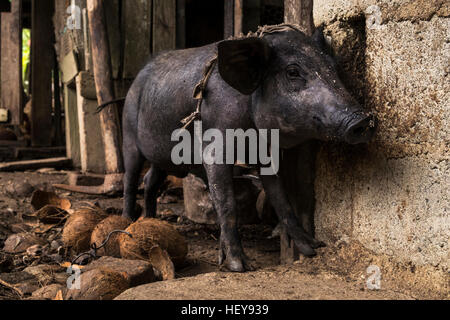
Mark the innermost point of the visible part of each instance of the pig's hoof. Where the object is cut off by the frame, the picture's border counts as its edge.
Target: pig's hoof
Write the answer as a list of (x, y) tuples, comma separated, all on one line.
[(316, 244), (238, 265), (305, 249)]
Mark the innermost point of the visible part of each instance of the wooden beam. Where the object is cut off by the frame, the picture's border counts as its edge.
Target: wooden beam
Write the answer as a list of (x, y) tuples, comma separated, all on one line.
[(164, 25), (101, 58), (300, 12), (42, 59), (137, 25), (72, 128), (11, 62), (35, 164), (228, 18), (91, 144), (114, 35), (181, 24), (238, 16), (298, 168)]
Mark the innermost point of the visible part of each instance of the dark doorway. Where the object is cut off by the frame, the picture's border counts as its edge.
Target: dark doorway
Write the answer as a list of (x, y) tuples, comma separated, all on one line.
[(262, 12), (204, 22)]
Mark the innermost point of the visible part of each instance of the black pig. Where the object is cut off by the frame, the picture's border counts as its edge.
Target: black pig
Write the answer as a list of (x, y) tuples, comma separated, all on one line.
[(278, 78)]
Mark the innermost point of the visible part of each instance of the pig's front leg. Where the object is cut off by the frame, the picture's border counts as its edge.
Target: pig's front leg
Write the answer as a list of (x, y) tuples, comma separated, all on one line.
[(277, 196), (231, 254)]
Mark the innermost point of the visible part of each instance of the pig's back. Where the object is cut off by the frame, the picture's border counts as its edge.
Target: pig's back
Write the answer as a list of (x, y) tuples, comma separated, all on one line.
[(161, 96)]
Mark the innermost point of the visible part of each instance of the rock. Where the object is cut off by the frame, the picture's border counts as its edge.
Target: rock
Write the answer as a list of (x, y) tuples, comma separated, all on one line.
[(44, 273), (137, 271), (48, 292), (197, 202), (55, 245), (99, 284), (18, 243), (35, 250), (6, 263), (200, 209), (20, 227), (20, 190), (23, 281)]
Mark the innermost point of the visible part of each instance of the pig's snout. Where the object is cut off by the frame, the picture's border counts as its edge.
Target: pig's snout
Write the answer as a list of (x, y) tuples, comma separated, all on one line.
[(361, 129)]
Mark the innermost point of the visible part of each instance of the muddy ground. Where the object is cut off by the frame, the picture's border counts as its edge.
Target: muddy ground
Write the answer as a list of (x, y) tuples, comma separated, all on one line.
[(338, 272)]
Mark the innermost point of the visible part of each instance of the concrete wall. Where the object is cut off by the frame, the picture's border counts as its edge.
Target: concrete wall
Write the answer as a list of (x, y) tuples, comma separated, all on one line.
[(393, 195)]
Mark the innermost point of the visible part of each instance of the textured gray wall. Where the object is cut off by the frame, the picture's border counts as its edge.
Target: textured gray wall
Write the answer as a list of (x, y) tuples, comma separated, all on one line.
[(393, 195)]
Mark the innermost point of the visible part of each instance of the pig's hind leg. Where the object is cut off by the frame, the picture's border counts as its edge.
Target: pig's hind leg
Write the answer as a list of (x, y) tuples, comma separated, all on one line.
[(133, 161), (153, 180)]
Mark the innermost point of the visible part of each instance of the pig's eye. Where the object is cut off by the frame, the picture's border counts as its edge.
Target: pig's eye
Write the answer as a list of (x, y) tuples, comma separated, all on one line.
[(294, 73)]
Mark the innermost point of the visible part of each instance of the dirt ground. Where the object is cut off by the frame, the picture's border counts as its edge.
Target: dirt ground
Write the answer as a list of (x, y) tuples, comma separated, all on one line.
[(338, 272)]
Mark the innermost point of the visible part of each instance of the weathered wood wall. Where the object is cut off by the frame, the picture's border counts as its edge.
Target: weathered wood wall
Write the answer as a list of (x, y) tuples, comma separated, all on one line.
[(11, 62), (42, 60)]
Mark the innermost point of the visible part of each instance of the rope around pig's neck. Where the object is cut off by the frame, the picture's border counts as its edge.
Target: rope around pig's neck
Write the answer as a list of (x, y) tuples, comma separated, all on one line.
[(199, 90)]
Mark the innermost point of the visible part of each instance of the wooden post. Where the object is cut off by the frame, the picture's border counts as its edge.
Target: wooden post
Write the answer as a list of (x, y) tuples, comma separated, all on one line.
[(181, 24), (298, 165), (137, 17), (11, 62), (164, 25), (228, 19), (104, 86), (42, 60), (238, 16), (300, 12)]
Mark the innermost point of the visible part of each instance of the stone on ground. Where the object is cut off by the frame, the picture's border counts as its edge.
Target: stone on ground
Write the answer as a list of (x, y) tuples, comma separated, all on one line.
[(137, 272)]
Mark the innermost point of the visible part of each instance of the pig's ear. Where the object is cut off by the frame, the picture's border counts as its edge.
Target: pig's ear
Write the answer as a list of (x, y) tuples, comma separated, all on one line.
[(243, 63)]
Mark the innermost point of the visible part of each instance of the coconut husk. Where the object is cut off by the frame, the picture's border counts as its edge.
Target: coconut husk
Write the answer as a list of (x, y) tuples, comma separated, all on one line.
[(99, 284), (40, 199), (161, 261), (148, 233), (103, 229), (79, 226), (50, 214)]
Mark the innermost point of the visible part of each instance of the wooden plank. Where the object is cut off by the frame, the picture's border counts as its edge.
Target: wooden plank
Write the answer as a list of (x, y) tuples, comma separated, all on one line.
[(86, 85), (35, 164), (300, 12), (91, 143), (181, 24), (11, 62), (238, 16), (69, 67), (72, 129), (164, 25), (137, 17), (39, 153), (109, 117), (8, 143), (42, 58), (114, 36)]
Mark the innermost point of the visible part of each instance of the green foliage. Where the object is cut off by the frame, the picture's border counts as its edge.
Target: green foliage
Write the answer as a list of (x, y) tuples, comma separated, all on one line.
[(26, 50)]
